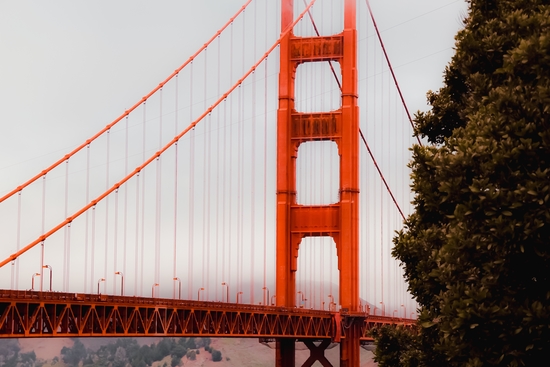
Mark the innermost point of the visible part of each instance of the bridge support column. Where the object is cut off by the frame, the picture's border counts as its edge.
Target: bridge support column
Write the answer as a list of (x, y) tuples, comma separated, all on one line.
[(350, 346), (285, 352)]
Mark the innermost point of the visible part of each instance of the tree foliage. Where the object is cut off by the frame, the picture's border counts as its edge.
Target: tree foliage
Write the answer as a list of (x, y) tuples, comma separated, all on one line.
[(396, 346), (476, 249), (216, 355)]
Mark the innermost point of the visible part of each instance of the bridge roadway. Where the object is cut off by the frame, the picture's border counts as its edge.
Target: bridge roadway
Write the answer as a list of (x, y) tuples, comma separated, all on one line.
[(27, 314)]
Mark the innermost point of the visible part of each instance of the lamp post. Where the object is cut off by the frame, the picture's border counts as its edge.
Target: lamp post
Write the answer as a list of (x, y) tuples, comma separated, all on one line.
[(393, 314), (50, 268), (179, 287), (383, 308), (121, 282), (239, 293), (412, 313), (404, 311), (266, 300), (298, 301), (226, 291), (272, 299), (331, 302), (153, 289), (32, 283), (99, 282), (199, 293)]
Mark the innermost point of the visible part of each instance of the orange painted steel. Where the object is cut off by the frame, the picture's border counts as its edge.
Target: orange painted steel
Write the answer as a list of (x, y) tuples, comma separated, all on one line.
[(52, 314), (151, 159), (28, 314), (128, 111), (340, 220)]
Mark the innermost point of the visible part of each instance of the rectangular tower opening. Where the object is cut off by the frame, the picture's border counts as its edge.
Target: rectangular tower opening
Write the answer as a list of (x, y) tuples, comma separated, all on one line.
[(317, 173), (317, 87)]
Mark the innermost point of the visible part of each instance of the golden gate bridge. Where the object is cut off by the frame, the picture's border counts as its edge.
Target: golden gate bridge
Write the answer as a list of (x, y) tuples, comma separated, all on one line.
[(247, 195)]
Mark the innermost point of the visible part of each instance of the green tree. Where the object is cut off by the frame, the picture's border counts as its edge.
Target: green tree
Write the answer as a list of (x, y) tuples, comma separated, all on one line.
[(476, 249), (191, 355), (175, 361), (396, 346), (216, 355), (73, 356)]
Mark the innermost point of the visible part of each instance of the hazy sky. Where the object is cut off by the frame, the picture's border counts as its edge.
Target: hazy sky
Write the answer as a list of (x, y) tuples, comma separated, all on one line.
[(68, 68)]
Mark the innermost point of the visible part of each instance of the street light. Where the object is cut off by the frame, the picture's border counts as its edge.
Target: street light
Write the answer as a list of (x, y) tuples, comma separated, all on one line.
[(393, 314), (404, 311), (49, 267), (331, 302), (412, 313), (239, 293), (383, 308), (121, 282), (98, 282), (226, 291), (272, 301), (199, 293), (153, 289), (266, 300), (32, 284), (179, 286)]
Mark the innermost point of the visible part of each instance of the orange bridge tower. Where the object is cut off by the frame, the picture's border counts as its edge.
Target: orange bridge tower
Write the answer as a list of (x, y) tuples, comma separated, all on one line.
[(340, 220)]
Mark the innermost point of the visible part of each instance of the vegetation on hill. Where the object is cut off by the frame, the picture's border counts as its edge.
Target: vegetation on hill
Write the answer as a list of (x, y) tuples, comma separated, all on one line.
[(10, 355), (127, 352), (476, 249)]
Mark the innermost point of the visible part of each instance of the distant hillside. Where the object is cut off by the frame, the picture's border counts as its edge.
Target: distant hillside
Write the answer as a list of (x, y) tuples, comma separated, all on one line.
[(235, 352)]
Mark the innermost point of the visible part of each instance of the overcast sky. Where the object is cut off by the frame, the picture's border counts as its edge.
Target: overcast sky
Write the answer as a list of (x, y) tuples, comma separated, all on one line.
[(68, 68)]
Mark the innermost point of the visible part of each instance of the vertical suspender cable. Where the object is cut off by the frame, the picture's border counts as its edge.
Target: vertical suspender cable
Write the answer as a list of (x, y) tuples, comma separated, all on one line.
[(92, 254), (175, 272), (230, 269), (15, 263), (67, 277), (217, 266), (241, 163), (225, 194), (43, 230), (191, 189), (136, 244), (87, 219), (141, 269), (158, 197), (107, 204), (265, 158), (115, 243), (204, 247), (253, 171), (66, 258), (125, 235)]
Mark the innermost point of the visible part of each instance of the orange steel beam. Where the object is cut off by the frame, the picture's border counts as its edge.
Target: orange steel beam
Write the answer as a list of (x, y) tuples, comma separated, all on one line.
[(51, 314), (28, 314)]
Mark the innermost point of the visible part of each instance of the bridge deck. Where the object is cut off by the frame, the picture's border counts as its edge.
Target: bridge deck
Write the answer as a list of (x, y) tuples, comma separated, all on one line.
[(26, 314)]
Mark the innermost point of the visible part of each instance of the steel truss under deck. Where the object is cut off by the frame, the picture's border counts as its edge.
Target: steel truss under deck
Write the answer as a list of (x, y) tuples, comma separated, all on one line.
[(56, 314)]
